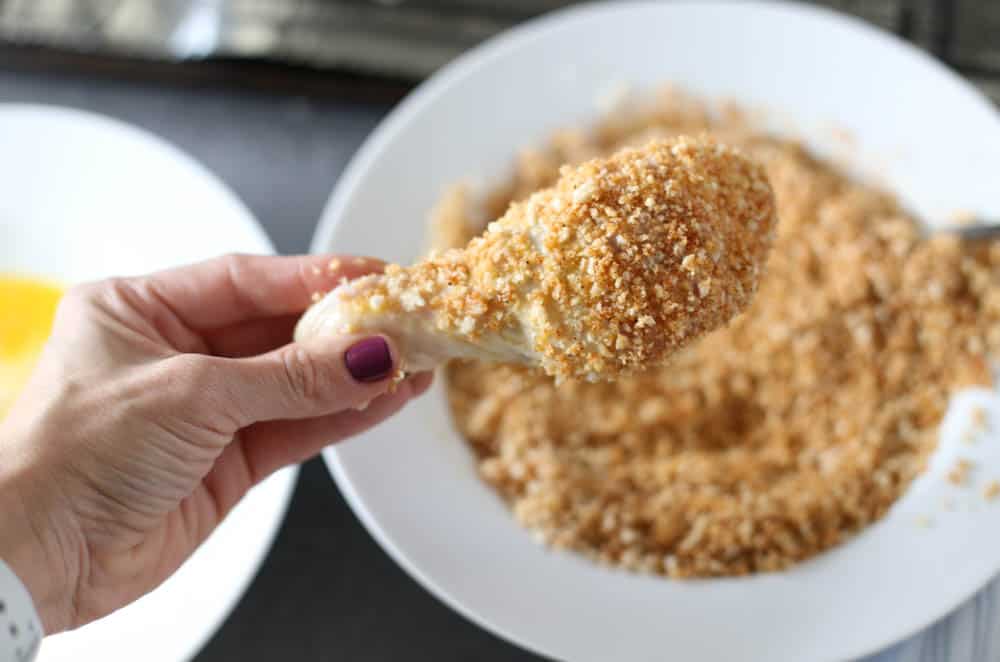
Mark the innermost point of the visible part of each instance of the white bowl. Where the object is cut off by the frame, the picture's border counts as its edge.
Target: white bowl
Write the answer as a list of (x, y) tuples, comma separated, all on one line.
[(412, 481), (87, 197)]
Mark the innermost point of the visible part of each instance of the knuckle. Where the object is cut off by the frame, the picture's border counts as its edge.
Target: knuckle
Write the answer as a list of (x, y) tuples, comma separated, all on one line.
[(236, 258), (299, 373), (305, 378), (107, 288), (189, 378), (87, 294), (194, 387), (240, 278), (83, 301), (238, 265), (104, 294)]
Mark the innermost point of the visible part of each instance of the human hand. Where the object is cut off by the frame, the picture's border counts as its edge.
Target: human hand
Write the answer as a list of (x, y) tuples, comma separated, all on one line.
[(158, 402)]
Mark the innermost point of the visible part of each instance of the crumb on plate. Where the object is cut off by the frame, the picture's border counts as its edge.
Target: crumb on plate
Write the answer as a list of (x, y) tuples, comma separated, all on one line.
[(773, 439)]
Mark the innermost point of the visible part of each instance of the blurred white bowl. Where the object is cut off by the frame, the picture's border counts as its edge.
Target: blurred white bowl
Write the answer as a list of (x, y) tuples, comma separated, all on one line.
[(412, 481)]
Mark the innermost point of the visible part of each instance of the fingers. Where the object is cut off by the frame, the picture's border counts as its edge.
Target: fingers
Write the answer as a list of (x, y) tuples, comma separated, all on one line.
[(299, 380), (272, 445), (236, 288)]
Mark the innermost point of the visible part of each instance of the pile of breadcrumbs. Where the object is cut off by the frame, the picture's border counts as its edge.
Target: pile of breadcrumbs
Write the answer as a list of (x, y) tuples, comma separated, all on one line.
[(772, 439)]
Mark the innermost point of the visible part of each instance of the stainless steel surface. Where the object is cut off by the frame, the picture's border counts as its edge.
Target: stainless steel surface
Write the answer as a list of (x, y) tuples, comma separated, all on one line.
[(386, 36), (409, 38)]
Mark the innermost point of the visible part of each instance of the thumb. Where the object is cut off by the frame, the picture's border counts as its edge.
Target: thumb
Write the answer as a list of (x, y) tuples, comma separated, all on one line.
[(314, 378)]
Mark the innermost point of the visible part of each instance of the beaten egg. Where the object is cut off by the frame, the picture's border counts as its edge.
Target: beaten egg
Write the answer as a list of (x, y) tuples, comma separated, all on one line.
[(29, 305)]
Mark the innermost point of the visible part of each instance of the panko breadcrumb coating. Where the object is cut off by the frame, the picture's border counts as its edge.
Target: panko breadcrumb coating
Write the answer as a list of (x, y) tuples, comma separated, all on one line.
[(773, 439), (608, 272)]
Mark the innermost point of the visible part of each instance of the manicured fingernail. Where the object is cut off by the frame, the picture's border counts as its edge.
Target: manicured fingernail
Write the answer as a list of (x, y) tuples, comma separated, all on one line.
[(369, 360)]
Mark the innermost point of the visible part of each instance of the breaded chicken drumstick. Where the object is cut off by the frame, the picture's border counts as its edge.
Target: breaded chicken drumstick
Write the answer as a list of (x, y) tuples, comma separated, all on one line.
[(610, 271)]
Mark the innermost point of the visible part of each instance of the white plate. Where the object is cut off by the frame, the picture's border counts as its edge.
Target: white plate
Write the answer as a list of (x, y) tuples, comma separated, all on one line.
[(412, 481), (87, 197)]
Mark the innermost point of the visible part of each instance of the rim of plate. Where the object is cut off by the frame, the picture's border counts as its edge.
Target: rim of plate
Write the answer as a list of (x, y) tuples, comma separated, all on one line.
[(467, 64), (107, 123), (284, 485)]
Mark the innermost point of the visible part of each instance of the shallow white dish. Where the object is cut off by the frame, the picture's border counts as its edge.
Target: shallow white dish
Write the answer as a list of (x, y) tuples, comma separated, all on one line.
[(87, 197), (931, 137)]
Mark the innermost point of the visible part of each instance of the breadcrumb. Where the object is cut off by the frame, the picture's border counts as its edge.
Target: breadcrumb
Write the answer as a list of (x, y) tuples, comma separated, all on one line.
[(609, 272), (959, 473), (979, 418), (773, 439)]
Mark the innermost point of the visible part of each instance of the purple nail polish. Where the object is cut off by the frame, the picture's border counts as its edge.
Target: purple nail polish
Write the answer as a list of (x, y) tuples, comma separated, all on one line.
[(369, 360)]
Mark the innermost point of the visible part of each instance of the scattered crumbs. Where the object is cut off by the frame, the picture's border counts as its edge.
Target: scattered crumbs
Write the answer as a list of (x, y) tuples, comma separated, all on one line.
[(991, 490), (979, 419), (316, 270), (580, 307), (843, 136), (360, 261), (959, 474), (316, 296), (397, 379), (333, 265), (343, 281), (923, 521), (755, 457)]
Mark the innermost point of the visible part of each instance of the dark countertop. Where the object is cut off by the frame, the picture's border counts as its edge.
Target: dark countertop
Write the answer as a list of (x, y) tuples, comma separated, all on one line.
[(327, 591)]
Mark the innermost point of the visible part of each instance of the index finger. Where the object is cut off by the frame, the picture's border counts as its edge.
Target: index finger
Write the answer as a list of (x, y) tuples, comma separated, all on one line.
[(237, 288)]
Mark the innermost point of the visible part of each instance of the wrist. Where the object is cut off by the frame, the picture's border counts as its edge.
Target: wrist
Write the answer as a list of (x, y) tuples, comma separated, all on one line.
[(32, 541)]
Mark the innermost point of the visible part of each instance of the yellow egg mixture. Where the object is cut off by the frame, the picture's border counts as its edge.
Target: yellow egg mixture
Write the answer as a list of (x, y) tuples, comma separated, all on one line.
[(28, 306)]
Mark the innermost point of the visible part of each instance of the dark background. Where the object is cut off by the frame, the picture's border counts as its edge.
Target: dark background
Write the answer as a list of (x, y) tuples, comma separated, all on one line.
[(279, 134)]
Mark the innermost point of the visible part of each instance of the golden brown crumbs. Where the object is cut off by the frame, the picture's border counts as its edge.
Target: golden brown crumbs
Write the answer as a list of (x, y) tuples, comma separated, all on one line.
[(333, 265), (316, 271), (979, 418), (316, 296), (621, 262), (774, 439), (991, 490), (959, 473)]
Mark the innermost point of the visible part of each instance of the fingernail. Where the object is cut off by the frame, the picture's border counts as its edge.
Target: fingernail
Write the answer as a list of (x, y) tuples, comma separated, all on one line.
[(369, 360)]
